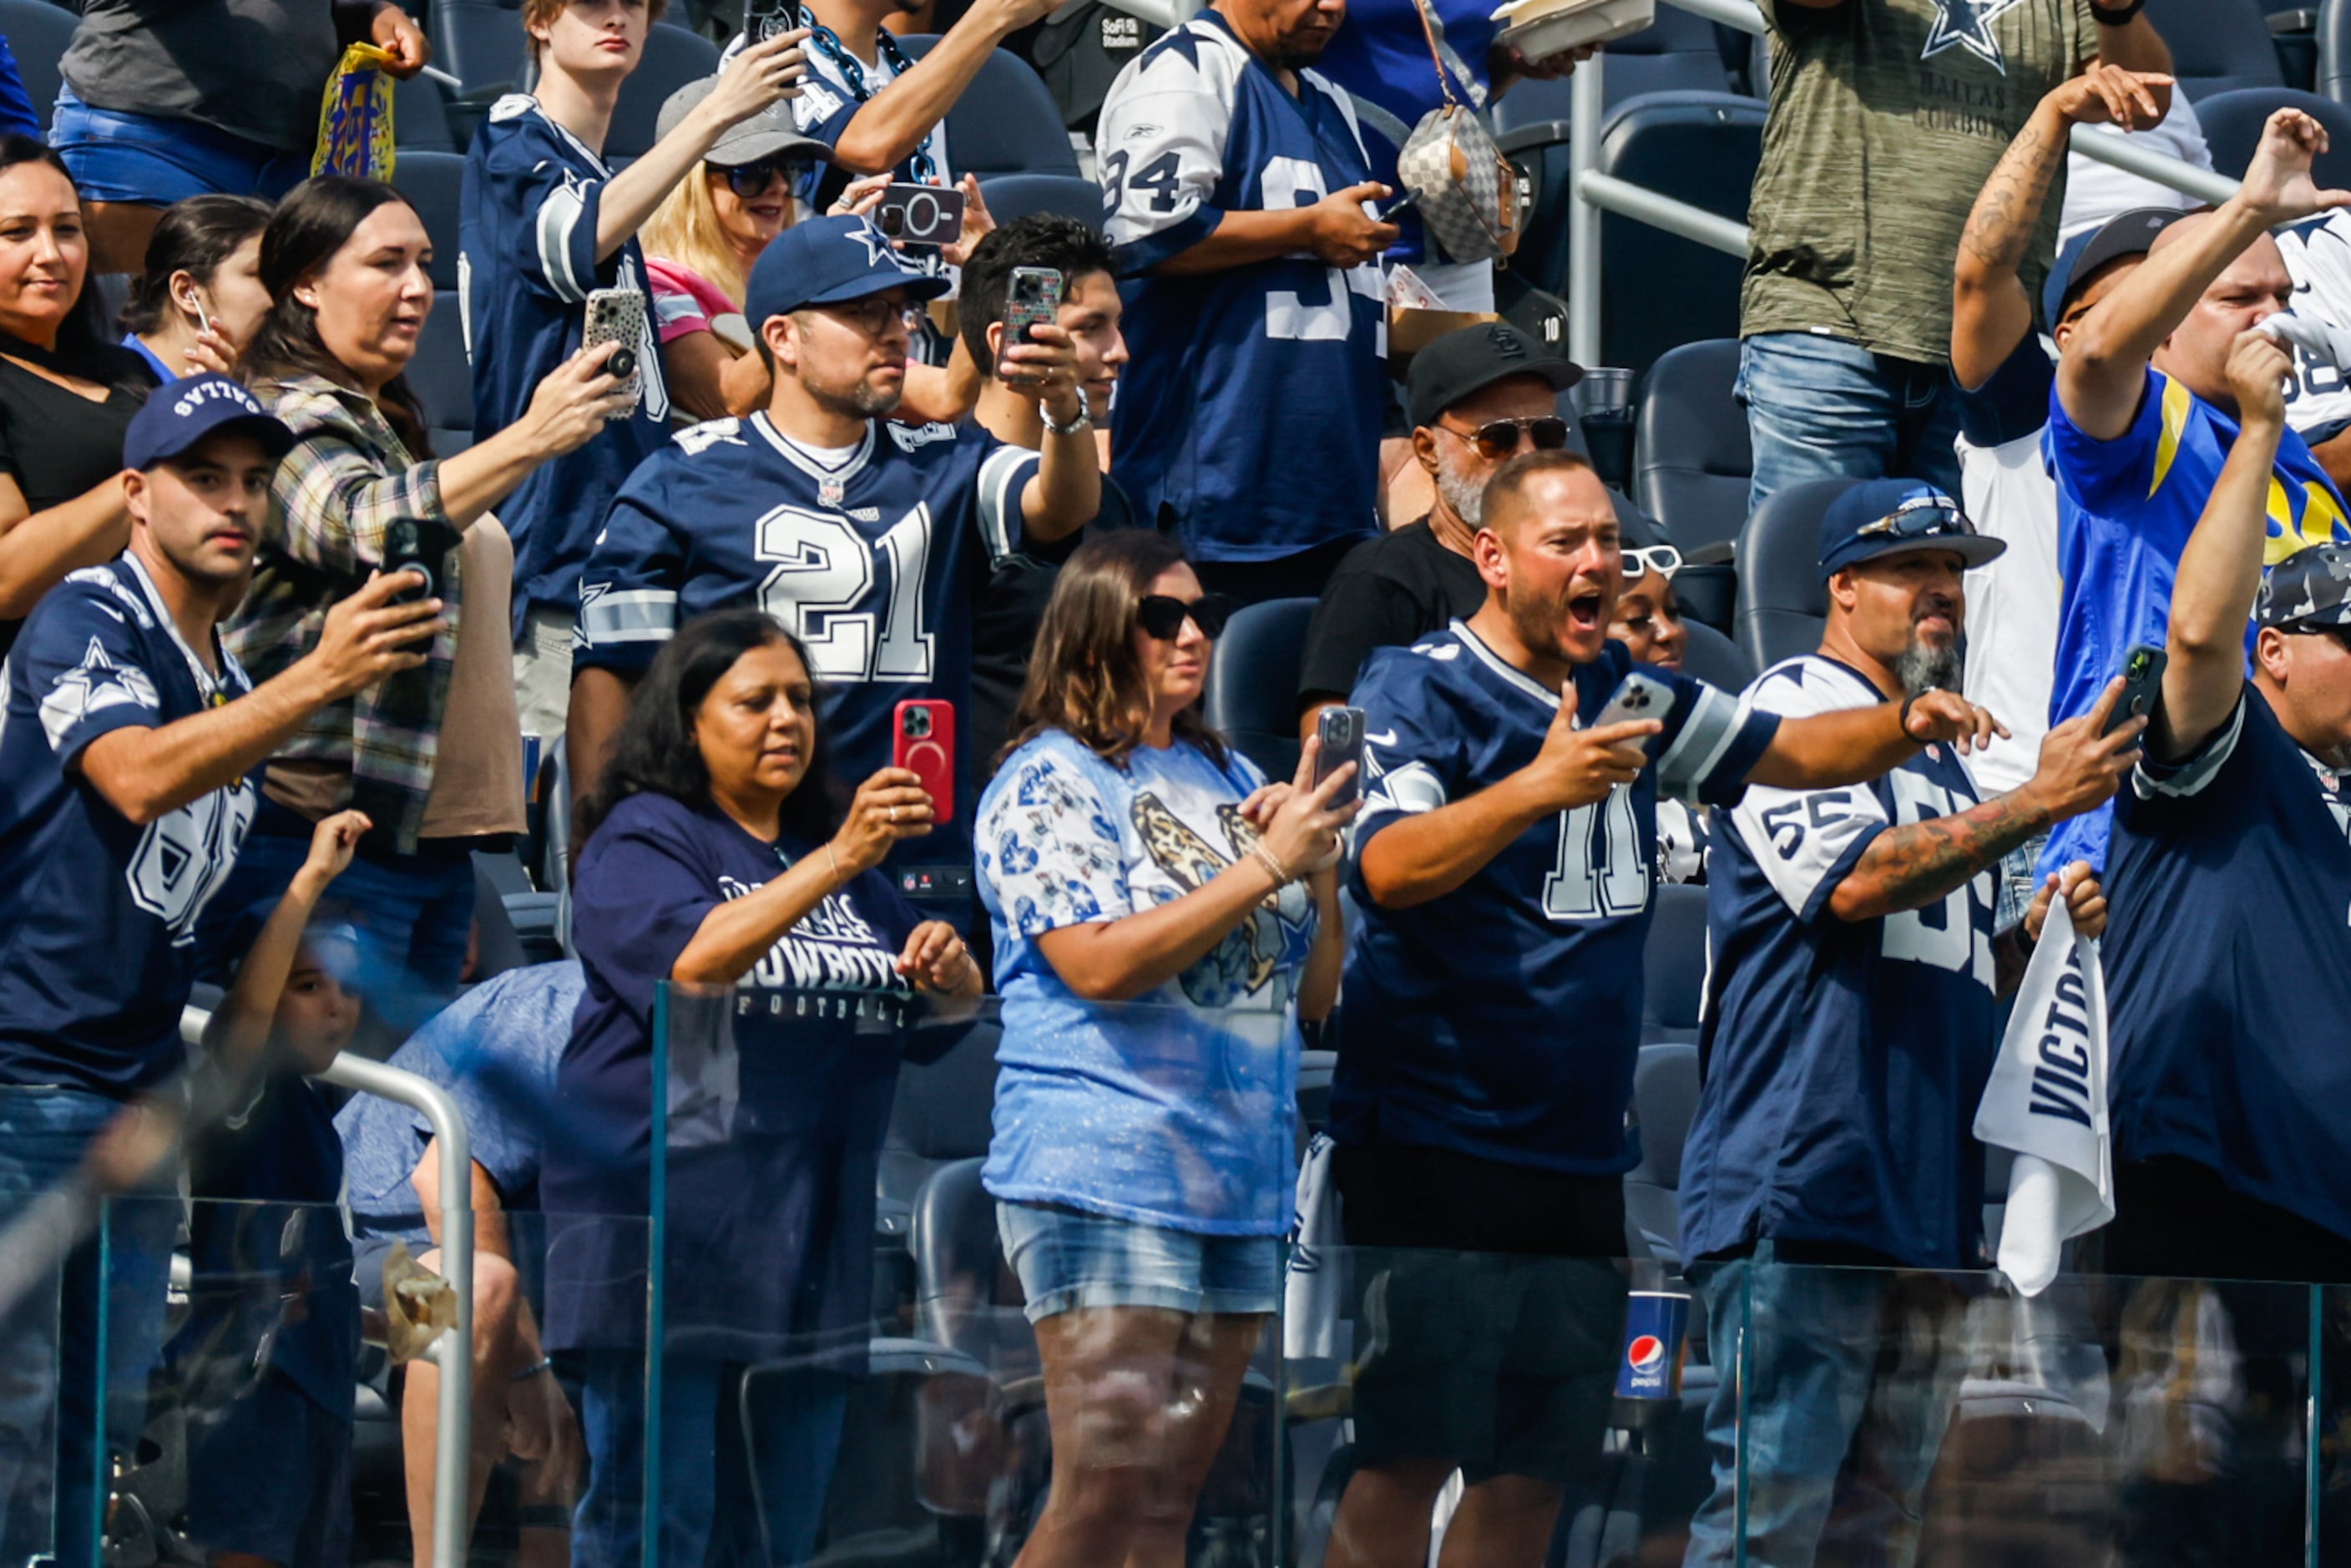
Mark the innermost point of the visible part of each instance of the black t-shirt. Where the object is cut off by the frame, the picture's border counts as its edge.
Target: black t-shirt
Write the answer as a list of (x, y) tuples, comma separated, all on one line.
[(252, 67), (56, 444), (1004, 628), (1388, 592)]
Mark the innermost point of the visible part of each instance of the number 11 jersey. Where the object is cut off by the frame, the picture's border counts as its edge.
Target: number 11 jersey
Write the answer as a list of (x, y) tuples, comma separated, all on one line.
[(874, 557)]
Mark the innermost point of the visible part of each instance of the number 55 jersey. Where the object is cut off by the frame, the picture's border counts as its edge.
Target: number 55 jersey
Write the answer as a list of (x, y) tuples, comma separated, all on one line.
[(1502, 1019), (1843, 1057), (872, 555)]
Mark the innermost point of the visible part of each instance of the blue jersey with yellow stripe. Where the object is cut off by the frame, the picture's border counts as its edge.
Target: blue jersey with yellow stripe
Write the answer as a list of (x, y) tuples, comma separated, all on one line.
[(2125, 509)]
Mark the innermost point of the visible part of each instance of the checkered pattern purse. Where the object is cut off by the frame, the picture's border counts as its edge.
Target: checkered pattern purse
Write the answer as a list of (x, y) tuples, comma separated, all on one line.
[(1468, 191)]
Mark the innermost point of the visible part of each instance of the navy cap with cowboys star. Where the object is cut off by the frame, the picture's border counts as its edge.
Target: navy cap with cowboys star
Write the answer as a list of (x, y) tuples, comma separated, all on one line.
[(2309, 589), (829, 261)]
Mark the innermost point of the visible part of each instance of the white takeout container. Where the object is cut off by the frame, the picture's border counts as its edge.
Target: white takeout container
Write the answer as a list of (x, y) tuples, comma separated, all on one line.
[(1538, 29)]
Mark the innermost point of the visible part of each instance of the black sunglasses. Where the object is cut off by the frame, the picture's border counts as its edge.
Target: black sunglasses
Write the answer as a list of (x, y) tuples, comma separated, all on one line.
[(1163, 616), (1498, 439), (747, 180), (1919, 523)]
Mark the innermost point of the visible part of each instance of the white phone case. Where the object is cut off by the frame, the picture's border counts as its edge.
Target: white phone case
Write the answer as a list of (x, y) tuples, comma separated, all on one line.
[(618, 316)]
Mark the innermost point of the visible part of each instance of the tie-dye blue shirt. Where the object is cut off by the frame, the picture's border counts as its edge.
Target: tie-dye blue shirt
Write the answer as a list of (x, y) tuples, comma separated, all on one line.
[(1177, 1109)]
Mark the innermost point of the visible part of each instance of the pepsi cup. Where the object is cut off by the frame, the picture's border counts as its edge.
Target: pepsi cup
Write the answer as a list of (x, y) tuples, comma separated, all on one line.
[(1656, 1324)]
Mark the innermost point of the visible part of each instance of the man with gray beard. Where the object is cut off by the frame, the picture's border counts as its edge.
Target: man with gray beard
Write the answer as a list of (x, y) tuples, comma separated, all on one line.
[(1476, 398)]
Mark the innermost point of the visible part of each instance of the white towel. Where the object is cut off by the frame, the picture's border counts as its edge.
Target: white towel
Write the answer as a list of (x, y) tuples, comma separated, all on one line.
[(1309, 1307), (2322, 340), (2047, 1101)]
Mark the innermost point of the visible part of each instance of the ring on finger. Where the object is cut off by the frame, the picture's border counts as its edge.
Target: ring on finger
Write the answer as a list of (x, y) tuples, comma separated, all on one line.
[(893, 813)]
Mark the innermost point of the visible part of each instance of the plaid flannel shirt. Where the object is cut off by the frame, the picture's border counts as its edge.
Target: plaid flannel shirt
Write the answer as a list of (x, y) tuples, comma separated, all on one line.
[(346, 481)]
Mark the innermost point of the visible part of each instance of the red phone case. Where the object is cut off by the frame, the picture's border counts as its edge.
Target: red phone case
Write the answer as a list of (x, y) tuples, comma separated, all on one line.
[(931, 757)]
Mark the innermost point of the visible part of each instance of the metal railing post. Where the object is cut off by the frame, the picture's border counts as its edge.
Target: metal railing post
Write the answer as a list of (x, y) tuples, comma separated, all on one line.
[(454, 1350), (1582, 218)]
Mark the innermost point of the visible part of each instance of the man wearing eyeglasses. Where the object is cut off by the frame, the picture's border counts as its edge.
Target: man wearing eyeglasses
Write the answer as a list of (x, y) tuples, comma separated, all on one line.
[(1476, 398), (1851, 1028), (2232, 1101), (1504, 862), (867, 538)]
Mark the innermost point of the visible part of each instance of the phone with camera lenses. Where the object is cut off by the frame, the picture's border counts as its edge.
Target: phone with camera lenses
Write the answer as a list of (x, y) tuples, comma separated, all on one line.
[(1341, 732), (2142, 685), (1032, 297), (1638, 696), (923, 741), (919, 215)]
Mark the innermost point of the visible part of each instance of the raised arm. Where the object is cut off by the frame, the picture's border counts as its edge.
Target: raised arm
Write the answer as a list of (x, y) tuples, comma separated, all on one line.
[(1829, 750), (764, 74), (890, 125), (2221, 569), (2103, 374), (1991, 312), (1066, 494), (241, 1027)]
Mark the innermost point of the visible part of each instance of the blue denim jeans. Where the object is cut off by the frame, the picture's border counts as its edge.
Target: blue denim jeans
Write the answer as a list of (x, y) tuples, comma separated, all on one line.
[(765, 1488), (1849, 1380), (52, 1349), (1823, 408)]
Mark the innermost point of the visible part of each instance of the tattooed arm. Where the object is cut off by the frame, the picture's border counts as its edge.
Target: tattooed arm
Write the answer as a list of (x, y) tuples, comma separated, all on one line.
[(1991, 312), (1910, 867)]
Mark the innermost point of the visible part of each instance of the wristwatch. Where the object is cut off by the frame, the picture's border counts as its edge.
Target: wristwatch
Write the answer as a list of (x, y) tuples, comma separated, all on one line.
[(1078, 427), (2116, 15)]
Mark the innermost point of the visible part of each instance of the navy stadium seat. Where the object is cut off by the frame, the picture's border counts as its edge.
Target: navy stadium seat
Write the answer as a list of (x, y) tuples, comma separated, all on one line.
[(2334, 50), (1674, 965), (2217, 46), (38, 34), (1658, 291), (1677, 53), (1005, 122), (443, 378), (672, 58), (1665, 1096), (1015, 196), (1783, 604), (2232, 128), (1252, 696), (480, 42), (420, 118), (435, 184), (1715, 658), (1691, 460)]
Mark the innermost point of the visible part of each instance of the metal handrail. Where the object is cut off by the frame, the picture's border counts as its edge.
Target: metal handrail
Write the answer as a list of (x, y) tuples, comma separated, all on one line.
[(1592, 192)]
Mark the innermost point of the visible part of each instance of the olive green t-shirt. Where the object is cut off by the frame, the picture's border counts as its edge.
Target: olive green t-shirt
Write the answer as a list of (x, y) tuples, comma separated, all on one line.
[(1886, 118)]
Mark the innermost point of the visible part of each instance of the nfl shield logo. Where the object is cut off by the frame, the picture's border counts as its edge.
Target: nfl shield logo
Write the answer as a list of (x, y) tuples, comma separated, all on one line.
[(829, 492)]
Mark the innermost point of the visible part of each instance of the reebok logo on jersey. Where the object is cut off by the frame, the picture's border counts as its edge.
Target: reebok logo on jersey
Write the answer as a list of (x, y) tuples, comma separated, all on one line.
[(1142, 132)]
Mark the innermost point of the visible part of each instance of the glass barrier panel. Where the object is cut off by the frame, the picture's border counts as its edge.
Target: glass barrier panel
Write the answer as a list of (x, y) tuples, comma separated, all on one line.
[(43, 1136)]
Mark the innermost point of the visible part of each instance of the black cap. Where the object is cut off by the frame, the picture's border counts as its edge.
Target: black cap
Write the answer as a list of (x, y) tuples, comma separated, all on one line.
[(1473, 359)]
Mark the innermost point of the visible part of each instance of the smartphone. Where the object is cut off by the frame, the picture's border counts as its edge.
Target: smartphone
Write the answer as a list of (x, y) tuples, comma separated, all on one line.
[(1341, 730), (1638, 696), (1403, 203), (1032, 297), (403, 550), (916, 213), (2142, 685), (618, 316), (764, 19), (923, 741)]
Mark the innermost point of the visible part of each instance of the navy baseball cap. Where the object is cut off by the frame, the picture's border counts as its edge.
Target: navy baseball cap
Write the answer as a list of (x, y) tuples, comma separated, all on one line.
[(179, 415), (829, 261), (1894, 517), (2309, 591), (2125, 234)]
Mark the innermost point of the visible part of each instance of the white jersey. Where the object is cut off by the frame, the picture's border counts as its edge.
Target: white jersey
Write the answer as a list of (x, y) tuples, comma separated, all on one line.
[(2095, 192), (2013, 603), (2318, 255)]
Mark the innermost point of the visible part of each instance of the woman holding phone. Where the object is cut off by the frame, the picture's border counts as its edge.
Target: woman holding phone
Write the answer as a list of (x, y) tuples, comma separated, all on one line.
[(1162, 918)]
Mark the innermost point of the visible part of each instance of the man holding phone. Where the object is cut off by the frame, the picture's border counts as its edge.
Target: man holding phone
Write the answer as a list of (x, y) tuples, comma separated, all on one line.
[(1852, 1030), (1483, 1079), (866, 537)]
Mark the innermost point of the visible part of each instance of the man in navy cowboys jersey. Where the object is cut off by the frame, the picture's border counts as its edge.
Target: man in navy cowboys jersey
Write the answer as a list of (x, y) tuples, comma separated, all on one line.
[(1851, 1028), (867, 538), (1503, 861), (544, 222), (1234, 183), (128, 760)]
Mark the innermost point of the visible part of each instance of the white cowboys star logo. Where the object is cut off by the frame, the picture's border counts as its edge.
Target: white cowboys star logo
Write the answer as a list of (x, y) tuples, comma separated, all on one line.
[(1968, 23), (879, 249)]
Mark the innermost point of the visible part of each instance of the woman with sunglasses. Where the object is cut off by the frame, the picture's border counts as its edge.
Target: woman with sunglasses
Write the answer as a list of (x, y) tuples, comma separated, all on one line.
[(1162, 918), (700, 243), (1648, 621)]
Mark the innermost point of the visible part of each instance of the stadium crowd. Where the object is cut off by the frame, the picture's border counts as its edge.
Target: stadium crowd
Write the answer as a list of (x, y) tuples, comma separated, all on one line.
[(869, 587)]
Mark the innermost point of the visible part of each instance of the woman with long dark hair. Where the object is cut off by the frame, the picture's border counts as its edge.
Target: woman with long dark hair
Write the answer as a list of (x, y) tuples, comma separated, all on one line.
[(66, 395), (1162, 918), (716, 859), (200, 300), (433, 755)]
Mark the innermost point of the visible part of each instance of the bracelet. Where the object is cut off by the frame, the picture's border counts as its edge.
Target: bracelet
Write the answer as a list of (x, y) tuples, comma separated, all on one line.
[(1902, 720), (1078, 427), (2116, 15), (1273, 866), (833, 861), (544, 1363)]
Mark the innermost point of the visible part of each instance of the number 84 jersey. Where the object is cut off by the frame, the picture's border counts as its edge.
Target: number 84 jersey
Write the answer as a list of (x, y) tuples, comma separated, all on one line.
[(1844, 1057), (874, 558)]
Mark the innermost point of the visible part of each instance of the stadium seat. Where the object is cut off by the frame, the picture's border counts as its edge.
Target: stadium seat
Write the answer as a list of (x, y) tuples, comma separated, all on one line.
[(2217, 46), (480, 42), (1782, 605), (940, 1114), (38, 33), (2234, 121), (1005, 122), (1252, 696), (967, 1298), (1079, 51), (1691, 460), (920, 1447), (1014, 197), (420, 118), (2334, 50), (1677, 53), (672, 58), (1716, 659), (1665, 1097), (1674, 972), (442, 377), (434, 184), (1659, 292)]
